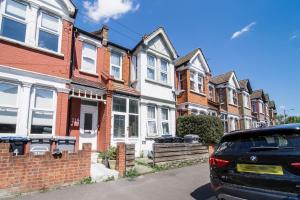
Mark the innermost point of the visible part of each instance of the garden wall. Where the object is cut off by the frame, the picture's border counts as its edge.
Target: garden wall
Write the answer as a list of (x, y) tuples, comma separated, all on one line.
[(27, 173)]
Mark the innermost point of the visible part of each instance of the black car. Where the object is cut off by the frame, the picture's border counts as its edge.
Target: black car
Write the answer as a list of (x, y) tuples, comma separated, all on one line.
[(258, 164)]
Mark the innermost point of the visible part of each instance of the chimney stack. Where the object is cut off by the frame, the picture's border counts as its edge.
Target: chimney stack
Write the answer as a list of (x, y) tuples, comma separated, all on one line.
[(104, 34)]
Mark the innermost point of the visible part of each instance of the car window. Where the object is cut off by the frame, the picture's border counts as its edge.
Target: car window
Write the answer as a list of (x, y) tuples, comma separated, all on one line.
[(245, 144)]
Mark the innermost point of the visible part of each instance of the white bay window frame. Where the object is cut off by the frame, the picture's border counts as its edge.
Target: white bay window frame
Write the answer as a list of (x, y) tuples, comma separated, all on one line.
[(165, 121), (33, 108), (11, 16), (164, 71), (11, 107), (115, 65), (86, 55), (151, 67), (152, 120), (197, 81), (57, 32)]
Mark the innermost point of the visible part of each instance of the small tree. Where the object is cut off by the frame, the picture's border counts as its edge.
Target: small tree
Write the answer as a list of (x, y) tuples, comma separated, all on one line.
[(209, 129)]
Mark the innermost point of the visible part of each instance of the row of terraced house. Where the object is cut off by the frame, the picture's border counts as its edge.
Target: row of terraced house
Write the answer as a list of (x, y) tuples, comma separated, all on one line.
[(58, 81)]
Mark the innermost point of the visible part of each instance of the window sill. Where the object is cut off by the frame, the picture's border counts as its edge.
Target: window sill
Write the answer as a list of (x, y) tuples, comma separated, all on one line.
[(89, 73), (40, 136), (198, 93), (118, 80), (158, 83), (151, 137), (231, 104), (23, 44)]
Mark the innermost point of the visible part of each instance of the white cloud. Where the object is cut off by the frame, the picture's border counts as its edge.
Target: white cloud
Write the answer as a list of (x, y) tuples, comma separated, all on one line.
[(103, 10), (243, 30), (295, 35)]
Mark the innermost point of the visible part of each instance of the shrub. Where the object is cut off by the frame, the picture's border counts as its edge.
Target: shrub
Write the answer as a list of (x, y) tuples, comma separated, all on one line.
[(109, 154), (209, 129)]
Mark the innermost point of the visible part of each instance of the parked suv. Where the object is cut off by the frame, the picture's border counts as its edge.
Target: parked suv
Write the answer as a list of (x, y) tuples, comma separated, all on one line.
[(258, 164)]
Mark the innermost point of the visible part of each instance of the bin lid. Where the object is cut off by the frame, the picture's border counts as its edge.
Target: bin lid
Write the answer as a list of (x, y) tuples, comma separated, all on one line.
[(14, 138), (64, 138)]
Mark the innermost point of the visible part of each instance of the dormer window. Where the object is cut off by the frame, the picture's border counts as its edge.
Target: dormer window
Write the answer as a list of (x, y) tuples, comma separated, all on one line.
[(164, 71), (14, 20), (151, 64), (48, 31), (116, 65)]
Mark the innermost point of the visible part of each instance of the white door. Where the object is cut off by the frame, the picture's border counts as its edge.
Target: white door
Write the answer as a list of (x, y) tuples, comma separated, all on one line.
[(88, 124)]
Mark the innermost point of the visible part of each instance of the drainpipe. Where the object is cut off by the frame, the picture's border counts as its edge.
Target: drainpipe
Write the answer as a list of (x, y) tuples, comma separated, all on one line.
[(74, 31)]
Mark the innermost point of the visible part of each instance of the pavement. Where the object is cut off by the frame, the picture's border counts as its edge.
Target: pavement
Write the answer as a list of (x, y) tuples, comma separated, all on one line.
[(187, 183)]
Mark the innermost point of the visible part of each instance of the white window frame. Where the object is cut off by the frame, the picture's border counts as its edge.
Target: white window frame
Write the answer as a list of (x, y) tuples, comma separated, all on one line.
[(211, 96), (3, 14), (196, 76), (151, 67), (192, 79), (165, 121), (135, 114), (58, 33), (15, 107), (200, 82), (152, 120), (121, 64), (32, 108), (82, 68), (164, 72), (180, 87)]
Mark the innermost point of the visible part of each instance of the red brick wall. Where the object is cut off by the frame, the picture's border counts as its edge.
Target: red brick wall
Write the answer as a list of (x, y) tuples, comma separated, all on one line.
[(62, 114), (26, 58), (121, 159), (28, 173), (75, 120)]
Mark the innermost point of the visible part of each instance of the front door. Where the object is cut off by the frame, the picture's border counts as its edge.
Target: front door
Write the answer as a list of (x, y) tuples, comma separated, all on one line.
[(88, 124), (125, 121)]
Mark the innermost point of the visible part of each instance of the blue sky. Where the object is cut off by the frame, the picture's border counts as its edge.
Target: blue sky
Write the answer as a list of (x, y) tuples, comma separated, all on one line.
[(267, 51)]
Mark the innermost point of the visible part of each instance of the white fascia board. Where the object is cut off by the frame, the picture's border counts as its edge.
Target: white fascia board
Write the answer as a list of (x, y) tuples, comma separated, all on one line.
[(201, 56), (84, 38)]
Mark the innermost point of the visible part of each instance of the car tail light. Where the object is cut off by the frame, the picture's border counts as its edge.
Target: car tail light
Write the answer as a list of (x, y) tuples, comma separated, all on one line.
[(219, 163), (296, 165)]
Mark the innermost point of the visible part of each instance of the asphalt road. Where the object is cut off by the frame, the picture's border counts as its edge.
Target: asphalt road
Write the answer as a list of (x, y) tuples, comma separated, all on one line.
[(187, 183)]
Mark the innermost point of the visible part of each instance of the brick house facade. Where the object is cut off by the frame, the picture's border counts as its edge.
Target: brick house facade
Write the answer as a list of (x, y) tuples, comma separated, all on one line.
[(35, 59)]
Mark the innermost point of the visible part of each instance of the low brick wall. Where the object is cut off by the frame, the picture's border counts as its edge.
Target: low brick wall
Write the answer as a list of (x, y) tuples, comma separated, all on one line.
[(169, 152), (27, 173), (125, 157)]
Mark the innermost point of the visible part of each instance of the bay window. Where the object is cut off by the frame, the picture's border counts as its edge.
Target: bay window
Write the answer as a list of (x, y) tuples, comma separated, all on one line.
[(8, 107), (89, 55), (48, 31), (133, 118), (164, 71), (151, 64), (234, 97), (192, 81), (211, 95), (165, 121), (180, 81), (13, 23), (42, 111), (151, 122), (200, 83), (116, 64)]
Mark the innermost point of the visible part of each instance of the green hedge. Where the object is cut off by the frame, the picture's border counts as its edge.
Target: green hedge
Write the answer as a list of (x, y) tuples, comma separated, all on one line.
[(209, 129)]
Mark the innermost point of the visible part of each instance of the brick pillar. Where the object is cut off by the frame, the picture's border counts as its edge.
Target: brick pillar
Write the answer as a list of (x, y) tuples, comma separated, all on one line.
[(121, 158)]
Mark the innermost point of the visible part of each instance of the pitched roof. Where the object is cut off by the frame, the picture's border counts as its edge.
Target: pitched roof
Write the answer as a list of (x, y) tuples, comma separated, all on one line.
[(87, 83), (121, 88), (184, 59), (257, 94), (223, 78), (272, 105), (147, 36), (245, 85), (267, 97)]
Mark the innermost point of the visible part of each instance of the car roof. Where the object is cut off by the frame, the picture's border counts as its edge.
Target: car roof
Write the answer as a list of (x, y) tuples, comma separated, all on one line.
[(287, 128)]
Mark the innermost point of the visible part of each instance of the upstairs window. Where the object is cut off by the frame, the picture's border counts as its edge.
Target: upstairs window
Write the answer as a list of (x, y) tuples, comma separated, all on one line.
[(180, 81), (151, 63), (8, 107), (42, 113), (14, 21), (48, 31), (200, 83), (116, 64), (89, 54), (246, 100), (234, 97), (254, 107), (165, 121), (164, 71), (211, 95), (192, 81)]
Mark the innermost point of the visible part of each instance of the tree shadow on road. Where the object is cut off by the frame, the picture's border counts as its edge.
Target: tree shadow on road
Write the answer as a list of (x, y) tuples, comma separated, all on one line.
[(203, 193)]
